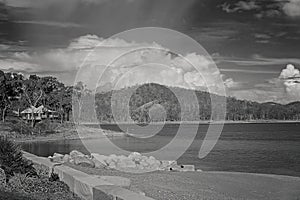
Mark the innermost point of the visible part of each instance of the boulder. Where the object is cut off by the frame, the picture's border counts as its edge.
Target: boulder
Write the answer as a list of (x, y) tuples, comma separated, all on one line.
[(75, 153), (135, 156), (58, 155), (58, 158), (66, 158), (112, 165), (187, 168), (126, 163), (99, 160), (151, 160), (167, 164), (83, 161), (144, 163), (111, 158)]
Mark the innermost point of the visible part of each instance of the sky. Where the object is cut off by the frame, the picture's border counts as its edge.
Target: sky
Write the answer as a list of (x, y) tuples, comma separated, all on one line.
[(255, 44)]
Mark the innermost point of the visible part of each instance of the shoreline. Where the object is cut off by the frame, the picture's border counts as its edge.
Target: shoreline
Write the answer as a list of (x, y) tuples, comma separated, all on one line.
[(203, 122), (98, 133), (68, 134)]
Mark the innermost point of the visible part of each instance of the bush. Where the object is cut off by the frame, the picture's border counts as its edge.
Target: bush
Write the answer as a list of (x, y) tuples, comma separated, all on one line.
[(12, 160), (53, 177), (20, 127), (40, 188), (46, 126)]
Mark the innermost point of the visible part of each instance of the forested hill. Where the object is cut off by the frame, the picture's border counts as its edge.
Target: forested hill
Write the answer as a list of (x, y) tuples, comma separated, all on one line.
[(145, 100)]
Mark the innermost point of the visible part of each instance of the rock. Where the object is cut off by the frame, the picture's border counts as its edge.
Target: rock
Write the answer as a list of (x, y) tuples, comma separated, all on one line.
[(187, 168), (112, 165), (174, 168), (2, 178), (126, 163), (84, 162), (144, 158), (75, 153), (144, 163), (58, 158), (167, 164), (66, 158), (135, 156), (58, 155), (122, 157), (151, 160), (140, 167), (99, 160), (111, 158)]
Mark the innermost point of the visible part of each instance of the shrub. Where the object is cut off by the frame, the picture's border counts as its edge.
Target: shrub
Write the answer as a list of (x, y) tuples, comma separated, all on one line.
[(40, 188), (12, 161), (20, 127), (53, 177), (46, 126)]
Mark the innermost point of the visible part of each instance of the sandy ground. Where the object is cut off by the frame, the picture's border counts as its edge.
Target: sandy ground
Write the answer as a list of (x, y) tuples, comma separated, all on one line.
[(208, 185)]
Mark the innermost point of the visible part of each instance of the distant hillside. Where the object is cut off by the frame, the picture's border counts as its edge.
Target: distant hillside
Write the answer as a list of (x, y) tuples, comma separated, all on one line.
[(147, 96)]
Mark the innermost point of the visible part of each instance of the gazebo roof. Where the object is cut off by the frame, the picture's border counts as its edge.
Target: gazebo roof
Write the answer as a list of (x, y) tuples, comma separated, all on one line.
[(40, 109)]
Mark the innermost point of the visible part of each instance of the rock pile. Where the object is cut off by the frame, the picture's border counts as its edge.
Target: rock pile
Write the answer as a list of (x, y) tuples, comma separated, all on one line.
[(133, 161)]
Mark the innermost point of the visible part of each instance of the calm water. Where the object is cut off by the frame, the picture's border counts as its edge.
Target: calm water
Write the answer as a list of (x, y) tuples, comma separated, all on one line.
[(261, 148)]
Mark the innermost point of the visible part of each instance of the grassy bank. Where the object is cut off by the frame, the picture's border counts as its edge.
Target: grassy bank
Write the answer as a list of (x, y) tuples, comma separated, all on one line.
[(66, 131)]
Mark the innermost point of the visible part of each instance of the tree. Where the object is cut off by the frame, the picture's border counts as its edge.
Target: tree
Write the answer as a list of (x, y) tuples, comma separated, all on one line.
[(80, 92), (11, 89), (60, 99), (33, 92), (3, 100)]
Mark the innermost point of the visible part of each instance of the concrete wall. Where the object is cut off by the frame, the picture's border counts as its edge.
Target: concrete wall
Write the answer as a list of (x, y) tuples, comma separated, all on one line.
[(89, 187)]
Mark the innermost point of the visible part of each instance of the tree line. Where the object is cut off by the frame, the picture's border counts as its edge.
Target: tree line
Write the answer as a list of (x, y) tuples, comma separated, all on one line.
[(148, 102), (237, 110)]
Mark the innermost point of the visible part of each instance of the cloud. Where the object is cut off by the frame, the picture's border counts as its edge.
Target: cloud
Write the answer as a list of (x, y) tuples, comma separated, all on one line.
[(49, 23), (266, 9), (292, 8), (259, 60), (139, 63), (269, 13), (284, 89), (240, 6), (43, 4), (291, 80), (262, 36), (289, 72), (249, 71), (90, 57), (231, 84), (258, 95), (3, 47)]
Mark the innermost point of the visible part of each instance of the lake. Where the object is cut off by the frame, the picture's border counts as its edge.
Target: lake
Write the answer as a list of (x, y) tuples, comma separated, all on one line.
[(272, 148)]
